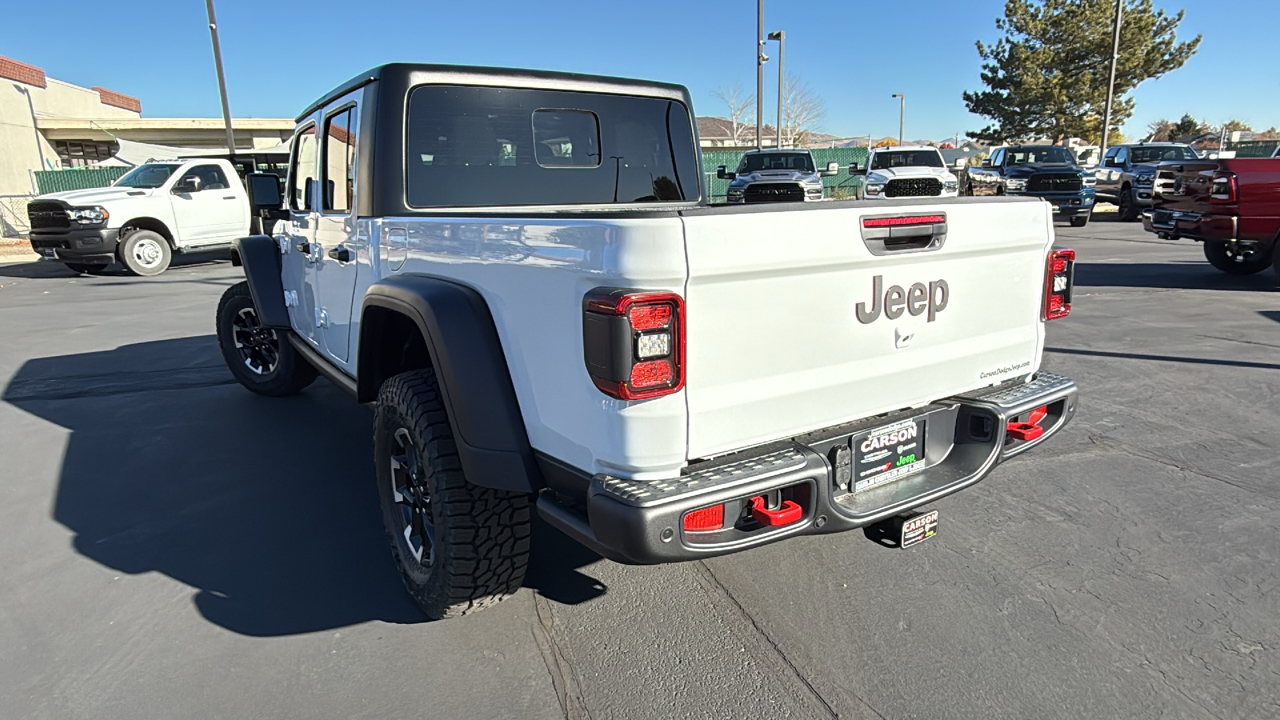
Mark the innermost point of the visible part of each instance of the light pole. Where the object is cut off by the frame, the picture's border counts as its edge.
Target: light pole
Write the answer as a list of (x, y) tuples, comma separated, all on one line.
[(761, 59), (781, 37), (1111, 85), (222, 81), (902, 112)]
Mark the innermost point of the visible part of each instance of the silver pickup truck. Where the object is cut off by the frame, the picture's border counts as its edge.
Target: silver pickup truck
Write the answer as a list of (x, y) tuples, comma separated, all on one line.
[(781, 175)]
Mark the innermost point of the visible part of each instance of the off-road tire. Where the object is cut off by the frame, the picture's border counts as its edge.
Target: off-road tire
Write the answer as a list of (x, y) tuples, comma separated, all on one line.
[(1127, 210), (291, 372), (86, 268), (144, 252), (1079, 221), (481, 536), (1219, 256)]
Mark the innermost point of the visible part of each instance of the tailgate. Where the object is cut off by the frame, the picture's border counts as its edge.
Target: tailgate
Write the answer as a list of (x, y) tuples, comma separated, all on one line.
[(1184, 185), (784, 335)]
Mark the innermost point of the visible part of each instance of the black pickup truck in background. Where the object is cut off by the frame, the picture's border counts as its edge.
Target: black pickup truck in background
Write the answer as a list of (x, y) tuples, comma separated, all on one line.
[(1048, 172)]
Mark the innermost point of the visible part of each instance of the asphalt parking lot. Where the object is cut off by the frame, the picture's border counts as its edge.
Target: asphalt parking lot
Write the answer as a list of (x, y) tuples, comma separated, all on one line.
[(174, 546)]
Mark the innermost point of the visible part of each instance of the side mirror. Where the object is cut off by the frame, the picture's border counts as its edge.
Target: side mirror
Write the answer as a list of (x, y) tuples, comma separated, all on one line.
[(723, 173), (833, 168), (856, 169), (184, 186), (265, 199), (986, 162)]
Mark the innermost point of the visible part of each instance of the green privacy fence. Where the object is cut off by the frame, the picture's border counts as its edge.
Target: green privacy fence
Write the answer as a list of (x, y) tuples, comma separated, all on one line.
[(843, 185), (49, 181), (1254, 148)]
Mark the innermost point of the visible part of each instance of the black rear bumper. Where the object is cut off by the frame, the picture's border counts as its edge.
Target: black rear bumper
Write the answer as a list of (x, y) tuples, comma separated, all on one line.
[(88, 246), (642, 522)]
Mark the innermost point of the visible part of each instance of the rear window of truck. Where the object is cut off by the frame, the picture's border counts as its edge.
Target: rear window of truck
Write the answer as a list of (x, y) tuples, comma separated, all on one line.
[(488, 146)]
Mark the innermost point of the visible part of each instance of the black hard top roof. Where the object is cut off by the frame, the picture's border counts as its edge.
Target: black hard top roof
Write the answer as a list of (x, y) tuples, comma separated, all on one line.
[(410, 74)]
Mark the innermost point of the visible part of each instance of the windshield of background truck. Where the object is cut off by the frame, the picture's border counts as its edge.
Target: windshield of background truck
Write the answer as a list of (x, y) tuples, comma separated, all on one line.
[(1153, 154), (151, 175), (1038, 154), (492, 146), (906, 158), (795, 162)]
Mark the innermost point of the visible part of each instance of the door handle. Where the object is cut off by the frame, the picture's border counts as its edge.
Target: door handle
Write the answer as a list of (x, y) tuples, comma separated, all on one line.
[(228, 197), (304, 248), (341, 254)]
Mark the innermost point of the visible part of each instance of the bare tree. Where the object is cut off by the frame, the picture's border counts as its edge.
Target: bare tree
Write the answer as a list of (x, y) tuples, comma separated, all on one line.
[(739, 108), (801, 111)]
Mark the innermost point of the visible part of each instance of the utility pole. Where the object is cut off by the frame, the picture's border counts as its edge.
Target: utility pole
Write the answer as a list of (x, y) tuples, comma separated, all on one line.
[(222, 81), (760, 61), (902, 113), (1111, 84), (781, 37)]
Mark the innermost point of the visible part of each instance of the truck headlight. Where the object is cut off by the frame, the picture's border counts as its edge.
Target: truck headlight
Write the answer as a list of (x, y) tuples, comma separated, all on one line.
[(1143, 179), (1089, 179), (1016, 184), (735, 193), (89, 216), (874, 188), (950, 186)]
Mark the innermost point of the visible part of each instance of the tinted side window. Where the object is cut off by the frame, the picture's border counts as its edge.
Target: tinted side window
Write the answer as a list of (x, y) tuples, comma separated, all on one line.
[(302, 176), (339, 161), (998, 158), (205, 177), (476, 146), (1122, 155)]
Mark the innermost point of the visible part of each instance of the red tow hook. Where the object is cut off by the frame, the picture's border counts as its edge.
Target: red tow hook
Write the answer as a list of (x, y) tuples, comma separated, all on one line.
[(789, 512), (1029, 430)]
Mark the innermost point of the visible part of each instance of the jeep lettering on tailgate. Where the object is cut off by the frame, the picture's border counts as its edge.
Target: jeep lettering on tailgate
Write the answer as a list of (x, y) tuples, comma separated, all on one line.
[(896, 300)]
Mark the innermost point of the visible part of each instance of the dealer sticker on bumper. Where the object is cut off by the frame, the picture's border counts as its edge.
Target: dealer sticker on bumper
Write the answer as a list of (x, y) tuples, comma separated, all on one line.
[(888, 453)]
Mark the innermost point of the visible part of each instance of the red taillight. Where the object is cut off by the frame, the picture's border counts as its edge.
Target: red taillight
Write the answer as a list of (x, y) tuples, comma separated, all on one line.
[(650, 317), (708, 518), (650, 373), (633, 342), (903, 220), (1057, 284), (1223, 187)]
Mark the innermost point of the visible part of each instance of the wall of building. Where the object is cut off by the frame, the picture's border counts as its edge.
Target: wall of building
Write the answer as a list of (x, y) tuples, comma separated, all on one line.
[(26, 95)]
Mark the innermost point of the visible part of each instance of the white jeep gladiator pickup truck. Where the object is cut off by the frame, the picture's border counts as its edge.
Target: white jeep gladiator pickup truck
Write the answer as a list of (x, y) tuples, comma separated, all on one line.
[(520, 271), (156, 209), (906, 171)]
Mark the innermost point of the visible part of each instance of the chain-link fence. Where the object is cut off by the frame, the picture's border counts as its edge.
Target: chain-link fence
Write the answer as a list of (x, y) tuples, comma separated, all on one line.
[(13, 216), (1254, 148), (49, 181), (835, 187)]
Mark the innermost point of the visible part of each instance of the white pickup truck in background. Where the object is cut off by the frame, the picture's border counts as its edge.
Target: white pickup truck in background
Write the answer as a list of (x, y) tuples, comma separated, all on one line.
[(155, 210), (906, 171)]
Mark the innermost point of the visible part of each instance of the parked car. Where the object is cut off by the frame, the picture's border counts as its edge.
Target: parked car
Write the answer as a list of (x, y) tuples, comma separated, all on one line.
[(1231, 205), (907, 171), (1128, 172), (153, 211), (1048, 172), (661, 378), (786, 175)]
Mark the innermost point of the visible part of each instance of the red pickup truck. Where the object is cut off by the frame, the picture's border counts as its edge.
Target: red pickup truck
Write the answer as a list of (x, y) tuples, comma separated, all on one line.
[(1233, 206)]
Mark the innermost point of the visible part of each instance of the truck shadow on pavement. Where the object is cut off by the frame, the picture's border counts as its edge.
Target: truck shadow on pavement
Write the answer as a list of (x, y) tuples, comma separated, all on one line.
[(1171, 275), (39, 269), (265, 506)]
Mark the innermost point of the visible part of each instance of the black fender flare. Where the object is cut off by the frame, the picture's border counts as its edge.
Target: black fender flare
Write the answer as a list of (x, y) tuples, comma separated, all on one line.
[(471, 368), (260, 257)]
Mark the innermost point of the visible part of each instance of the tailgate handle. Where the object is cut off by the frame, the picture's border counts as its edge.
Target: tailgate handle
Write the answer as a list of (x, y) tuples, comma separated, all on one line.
[(892, 234)]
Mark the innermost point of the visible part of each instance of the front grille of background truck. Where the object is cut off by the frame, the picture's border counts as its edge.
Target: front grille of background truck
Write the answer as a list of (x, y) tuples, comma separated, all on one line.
[(913, 187)]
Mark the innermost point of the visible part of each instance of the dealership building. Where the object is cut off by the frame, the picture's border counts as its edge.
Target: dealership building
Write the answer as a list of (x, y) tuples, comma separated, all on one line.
[(47, 124)]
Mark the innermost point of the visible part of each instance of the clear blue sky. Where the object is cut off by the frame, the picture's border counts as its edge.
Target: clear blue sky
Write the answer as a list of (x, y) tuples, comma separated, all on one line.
[(279, 58)]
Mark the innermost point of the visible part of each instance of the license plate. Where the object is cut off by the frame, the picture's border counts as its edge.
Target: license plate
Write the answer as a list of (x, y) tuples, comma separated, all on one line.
[(888, 453), (49, 253), (919, 528)]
